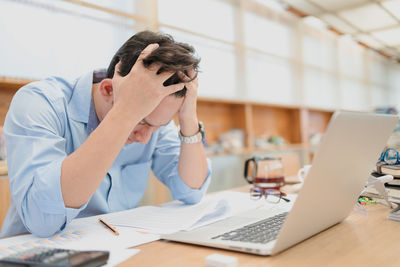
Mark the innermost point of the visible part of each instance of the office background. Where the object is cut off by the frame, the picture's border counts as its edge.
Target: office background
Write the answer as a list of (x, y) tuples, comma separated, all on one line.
[(268, 70)]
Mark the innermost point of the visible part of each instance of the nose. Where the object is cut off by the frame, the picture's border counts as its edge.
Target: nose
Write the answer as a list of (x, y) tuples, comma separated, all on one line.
[(143, 135)]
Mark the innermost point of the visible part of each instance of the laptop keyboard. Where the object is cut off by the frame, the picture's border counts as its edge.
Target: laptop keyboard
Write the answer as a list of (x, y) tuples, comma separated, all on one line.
[(262, 231)]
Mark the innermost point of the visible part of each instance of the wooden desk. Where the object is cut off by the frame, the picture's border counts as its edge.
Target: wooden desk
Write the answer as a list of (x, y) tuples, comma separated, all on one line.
[(5, 198), (360, 240), (3, 168)]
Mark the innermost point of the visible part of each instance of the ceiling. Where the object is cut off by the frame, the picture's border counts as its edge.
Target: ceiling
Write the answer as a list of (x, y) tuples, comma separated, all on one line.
[(374, 23)]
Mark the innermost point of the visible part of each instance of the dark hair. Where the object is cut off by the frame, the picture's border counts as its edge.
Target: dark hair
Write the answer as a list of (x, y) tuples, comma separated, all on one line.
[(173, 56)]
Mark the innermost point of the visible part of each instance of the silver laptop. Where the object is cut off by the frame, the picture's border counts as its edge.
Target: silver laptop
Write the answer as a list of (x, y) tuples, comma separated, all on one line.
[(341, 166)]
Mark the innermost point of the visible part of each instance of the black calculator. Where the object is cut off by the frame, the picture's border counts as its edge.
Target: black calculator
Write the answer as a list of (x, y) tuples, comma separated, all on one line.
[(44, 256)]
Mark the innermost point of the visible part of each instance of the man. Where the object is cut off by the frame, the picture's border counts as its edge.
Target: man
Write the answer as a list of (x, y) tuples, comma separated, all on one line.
[(86, 147)]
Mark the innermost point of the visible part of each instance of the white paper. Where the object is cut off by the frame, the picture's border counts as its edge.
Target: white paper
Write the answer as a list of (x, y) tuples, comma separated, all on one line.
[(175, 216), (169, 218), (89, 234), (119, 255), (98, 236), (80, 234)]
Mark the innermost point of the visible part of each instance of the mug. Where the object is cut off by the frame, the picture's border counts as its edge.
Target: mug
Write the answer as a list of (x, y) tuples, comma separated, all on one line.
[(265, 173), (302, 173)]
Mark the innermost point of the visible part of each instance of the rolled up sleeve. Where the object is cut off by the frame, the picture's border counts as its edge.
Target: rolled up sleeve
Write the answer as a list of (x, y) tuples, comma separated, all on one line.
[(35, 152), (165, 167)]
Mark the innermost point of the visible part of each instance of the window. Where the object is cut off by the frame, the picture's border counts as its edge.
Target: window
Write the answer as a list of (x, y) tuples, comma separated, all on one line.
[(320, 89), (217, 66), (208, 17), (268, 36), (319, 52), (61, 42), (351, 59), (269, 79), (354, 95), (249, 50)]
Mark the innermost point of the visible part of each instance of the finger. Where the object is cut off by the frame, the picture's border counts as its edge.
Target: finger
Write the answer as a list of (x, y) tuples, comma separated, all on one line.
[(190, 77), (183, 76), (155, 67), (191, 73), (116, 70), (170, 89), (147, 51), (164, 76)]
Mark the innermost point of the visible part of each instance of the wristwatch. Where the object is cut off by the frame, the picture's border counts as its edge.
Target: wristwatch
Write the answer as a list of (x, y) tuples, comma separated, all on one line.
[(198, 137)]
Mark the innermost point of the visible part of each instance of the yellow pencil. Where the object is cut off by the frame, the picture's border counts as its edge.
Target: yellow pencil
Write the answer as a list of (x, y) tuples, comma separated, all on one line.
[(109, 227)]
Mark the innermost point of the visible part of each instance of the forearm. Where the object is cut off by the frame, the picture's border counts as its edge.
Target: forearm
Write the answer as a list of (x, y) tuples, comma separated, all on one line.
[(84, 169), (192, 165)]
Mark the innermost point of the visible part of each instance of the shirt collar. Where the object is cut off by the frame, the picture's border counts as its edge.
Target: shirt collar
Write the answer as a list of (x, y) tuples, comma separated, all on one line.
[(79, 105), (93, 121)]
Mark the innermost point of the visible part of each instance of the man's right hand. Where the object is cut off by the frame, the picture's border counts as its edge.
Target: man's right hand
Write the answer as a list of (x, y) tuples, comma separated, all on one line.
[(142, 89)]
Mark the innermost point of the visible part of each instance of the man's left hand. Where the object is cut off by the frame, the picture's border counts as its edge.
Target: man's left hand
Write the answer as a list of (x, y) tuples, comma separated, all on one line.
[(188, 112)]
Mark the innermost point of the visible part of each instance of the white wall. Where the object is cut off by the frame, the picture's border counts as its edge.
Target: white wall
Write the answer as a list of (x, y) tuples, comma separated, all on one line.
[(248, 50)]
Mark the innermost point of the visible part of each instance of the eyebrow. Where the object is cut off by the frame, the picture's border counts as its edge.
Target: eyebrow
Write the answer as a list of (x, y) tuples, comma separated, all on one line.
[(146, 122)]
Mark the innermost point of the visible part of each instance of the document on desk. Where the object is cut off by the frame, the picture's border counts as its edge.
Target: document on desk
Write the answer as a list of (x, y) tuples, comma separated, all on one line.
[(144, 224), (75, 239), (168, 218), (176, 216), (83, 234)]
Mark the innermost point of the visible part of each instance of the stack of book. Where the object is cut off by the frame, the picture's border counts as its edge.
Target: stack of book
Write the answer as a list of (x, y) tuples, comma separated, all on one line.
[(384, 169), (392, 187), (395, 214)]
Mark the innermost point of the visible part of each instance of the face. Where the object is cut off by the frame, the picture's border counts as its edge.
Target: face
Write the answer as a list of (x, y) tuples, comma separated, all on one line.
[(160, 116)]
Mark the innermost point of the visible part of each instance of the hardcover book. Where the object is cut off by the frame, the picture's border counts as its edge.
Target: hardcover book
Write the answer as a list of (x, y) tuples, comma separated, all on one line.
[(388, 169)]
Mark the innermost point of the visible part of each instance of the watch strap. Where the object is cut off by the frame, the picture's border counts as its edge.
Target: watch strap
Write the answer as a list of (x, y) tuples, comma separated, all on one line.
[(196, 138)]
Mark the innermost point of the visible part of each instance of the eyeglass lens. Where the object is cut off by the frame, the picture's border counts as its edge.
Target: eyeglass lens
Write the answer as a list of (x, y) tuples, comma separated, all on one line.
[(273, 196), (255, 193), (391, 156)]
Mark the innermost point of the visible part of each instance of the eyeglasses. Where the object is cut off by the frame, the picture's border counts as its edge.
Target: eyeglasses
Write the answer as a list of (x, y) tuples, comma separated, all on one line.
[(271, 195), (390, 156)]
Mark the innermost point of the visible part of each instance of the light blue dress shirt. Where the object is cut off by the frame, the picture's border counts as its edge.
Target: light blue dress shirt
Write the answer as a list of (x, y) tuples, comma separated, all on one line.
[(50, 119)]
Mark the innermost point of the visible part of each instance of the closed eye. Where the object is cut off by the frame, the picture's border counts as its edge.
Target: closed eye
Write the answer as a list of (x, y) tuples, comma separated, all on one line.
[(144, 122)]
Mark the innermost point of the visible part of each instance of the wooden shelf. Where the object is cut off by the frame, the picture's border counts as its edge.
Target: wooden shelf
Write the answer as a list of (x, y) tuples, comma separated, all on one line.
[(13, 84), (8, 87), (3, 168), (220, 117), (296, 124), (272, 149)]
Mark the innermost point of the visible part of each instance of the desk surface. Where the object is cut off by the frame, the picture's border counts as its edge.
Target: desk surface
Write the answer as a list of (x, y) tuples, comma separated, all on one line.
[(360, 240), (3, 167)]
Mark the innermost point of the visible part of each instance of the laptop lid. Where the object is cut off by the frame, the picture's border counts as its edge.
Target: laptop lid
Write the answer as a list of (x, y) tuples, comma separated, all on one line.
[(346, 156)]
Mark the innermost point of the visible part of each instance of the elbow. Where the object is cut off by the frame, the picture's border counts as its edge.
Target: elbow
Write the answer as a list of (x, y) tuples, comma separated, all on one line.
[(42, 231), (45, 226), (193, 198), (39, 222)]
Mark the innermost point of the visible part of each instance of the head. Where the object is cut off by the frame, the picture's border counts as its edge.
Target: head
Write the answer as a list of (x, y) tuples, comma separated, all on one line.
[(171, 56)]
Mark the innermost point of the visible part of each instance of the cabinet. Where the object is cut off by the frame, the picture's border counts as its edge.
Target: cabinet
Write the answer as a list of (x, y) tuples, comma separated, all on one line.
[(8, 87), (296, 124)]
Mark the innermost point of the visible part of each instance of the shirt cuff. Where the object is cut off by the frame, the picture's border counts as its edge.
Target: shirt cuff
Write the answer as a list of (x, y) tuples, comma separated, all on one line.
[(187, 195), (47, 187)]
